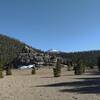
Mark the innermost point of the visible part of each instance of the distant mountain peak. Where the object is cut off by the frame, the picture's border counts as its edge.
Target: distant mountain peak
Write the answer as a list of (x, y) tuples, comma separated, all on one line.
[(53, 50)]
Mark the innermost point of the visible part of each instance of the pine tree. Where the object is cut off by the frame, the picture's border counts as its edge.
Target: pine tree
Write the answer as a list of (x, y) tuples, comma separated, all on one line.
[(1, 70), (57, 69), (33, 70), (79, 68), (8, 70), (98, 64), (69, 63)]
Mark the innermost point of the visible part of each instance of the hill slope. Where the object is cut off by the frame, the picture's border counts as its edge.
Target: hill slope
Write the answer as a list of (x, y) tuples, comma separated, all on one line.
[(89, 58), (10, 48)]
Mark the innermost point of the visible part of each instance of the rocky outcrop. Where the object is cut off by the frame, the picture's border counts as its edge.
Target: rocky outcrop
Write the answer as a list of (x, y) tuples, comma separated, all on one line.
[(30, 57)]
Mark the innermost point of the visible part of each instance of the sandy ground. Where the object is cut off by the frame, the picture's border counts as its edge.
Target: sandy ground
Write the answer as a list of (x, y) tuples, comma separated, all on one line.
[(43, 86)]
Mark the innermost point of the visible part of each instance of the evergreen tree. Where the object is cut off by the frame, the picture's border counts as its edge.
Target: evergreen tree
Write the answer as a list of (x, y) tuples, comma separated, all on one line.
[(69, 65), (8, 70), (1, 70), (33, 70), (57, 69), (98, 64), (79, 68)]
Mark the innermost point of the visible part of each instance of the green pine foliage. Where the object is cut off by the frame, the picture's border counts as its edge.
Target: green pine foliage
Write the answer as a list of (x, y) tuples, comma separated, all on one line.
[(33, 70), (98, 63), (70, 65), (8, 70), (1, 71), (79, 68), (10, 48), (88, 57), (57, 69)]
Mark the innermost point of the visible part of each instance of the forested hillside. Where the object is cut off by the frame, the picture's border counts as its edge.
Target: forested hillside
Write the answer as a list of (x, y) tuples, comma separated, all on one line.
[(10, 48), (89, 58)]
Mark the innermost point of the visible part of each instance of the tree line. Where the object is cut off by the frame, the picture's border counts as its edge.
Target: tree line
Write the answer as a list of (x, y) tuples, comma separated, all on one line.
[(89, 58)]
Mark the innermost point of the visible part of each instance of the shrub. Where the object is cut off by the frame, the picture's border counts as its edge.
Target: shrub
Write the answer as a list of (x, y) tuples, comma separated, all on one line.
[(1, 71), (79, 68), (57, 69), (33, 70), (98, 64), (8, 70), (69, 63)]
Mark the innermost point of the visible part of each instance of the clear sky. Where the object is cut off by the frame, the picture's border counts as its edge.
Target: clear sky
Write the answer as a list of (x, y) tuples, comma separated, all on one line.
[(67, 25)]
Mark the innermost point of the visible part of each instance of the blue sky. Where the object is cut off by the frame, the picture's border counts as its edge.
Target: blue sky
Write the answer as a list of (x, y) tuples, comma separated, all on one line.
[(66, 25)]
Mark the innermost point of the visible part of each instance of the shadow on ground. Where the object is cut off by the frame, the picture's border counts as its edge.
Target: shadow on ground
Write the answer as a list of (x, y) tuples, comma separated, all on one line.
[(84, 85), (47, 77), (93, 72)]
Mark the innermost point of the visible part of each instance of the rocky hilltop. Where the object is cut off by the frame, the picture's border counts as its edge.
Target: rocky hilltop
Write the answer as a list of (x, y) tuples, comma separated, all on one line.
[(12, 50)]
